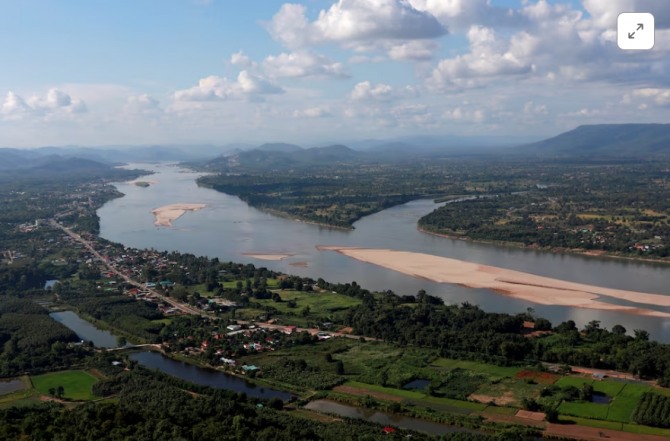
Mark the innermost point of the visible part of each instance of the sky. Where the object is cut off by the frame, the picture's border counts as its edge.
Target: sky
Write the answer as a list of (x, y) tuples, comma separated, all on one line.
[(99, 72)]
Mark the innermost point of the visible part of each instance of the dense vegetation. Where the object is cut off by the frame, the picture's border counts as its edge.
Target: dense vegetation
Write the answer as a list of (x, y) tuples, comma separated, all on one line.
[(653, 410), (149, 406), (617, 208), (31, 341)]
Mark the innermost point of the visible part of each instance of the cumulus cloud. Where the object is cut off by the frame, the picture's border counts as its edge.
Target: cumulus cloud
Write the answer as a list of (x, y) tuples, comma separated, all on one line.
[(488, 57), (605, 12), (461, 14), (303, 64), (214, 88), (241, 59), (366, 91), (362, 25), (55, 102)]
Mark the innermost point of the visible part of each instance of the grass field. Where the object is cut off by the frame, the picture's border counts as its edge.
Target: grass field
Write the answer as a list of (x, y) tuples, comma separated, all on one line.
[(577, 382), (482, 368), (77, 384), (623, 405), (584, 410), (321, 304), (609, 388)]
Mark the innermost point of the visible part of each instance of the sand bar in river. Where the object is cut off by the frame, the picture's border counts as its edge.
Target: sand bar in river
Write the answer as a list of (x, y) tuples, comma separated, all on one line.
[(165, 215), (516, 284)]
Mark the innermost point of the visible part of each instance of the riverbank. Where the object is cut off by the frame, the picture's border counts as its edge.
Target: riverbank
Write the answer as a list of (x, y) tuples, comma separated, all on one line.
[(515, 284), (556, 250)]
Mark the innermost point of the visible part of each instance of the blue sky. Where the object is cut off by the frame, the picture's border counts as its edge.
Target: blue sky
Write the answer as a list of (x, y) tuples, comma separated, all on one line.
[(93, 72)]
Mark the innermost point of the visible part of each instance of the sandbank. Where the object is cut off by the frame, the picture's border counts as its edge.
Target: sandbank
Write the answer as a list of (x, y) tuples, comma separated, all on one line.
[(516, 284), (165, 215), (269, 256)]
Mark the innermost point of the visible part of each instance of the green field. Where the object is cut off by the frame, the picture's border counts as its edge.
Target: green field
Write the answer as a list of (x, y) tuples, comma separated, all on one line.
[(482, 368), (321, 304), (608, 387), (584, 410), (77, 384), (577, 382)]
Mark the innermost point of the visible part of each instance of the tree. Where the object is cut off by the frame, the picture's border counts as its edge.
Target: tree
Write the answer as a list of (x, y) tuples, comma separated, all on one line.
[(339, 367), (52, 391), (60, 391)]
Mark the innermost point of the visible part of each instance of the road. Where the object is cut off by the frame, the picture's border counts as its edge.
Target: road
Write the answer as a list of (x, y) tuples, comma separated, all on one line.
[(180, 306)]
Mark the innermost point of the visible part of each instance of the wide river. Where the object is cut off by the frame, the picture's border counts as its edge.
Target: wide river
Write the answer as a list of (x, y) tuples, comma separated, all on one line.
[(228, 228)]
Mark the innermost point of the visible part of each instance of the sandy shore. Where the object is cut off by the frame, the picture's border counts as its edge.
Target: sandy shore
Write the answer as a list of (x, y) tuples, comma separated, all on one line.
[(165, 215), (516, 284), (269, 256)]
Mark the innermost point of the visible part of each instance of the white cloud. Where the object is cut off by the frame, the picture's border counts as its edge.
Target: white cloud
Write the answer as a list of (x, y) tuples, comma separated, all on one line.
[(416, 50), (465, 115), (488, 57), (362, 25), (647, 97), (141, 104), (303, 64), (214, 88), (54, 103), (313, 112), (241, 59), (605, 12), (366, 91)]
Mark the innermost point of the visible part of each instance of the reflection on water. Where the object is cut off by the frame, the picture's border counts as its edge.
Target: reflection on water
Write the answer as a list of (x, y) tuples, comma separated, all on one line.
[(205, 377), (85, 330), (228, 228), (383, 418), (9, 386)]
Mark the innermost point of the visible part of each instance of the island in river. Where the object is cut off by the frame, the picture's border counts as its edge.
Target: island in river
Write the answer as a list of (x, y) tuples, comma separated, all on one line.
[(164, 216), (517, 284)]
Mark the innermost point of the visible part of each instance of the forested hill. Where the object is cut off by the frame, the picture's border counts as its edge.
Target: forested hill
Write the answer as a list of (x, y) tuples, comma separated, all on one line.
[(285, 156), (635, 141)]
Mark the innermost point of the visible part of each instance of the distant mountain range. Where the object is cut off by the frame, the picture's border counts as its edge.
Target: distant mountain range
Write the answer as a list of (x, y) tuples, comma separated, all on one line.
[(632, 141), (637, 141)]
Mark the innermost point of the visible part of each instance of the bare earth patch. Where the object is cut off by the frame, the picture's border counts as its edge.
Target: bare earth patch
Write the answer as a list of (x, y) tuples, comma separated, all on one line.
[(504, 400), (538, 377), (535, 416)]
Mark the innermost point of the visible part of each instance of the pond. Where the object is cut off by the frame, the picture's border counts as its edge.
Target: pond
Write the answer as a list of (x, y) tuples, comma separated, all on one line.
[(205, 377), (599, 398), (417, 385), (382, 418), (9, 386), (85, 330)]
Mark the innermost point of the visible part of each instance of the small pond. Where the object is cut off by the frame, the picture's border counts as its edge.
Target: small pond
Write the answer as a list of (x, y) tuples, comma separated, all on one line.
[(417, 385), (9, 386), (599, 398)]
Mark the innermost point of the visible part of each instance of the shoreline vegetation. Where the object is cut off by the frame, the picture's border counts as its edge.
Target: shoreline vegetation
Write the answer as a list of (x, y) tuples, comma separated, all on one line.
[(164, 216), (515, 284), (553, 250)]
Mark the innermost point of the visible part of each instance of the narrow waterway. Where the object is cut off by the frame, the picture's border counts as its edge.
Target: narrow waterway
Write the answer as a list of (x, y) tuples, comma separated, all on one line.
[(383, 418)]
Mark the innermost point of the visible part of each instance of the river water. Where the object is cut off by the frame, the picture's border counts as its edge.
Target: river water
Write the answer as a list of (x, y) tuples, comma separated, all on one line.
[(228, 228)]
